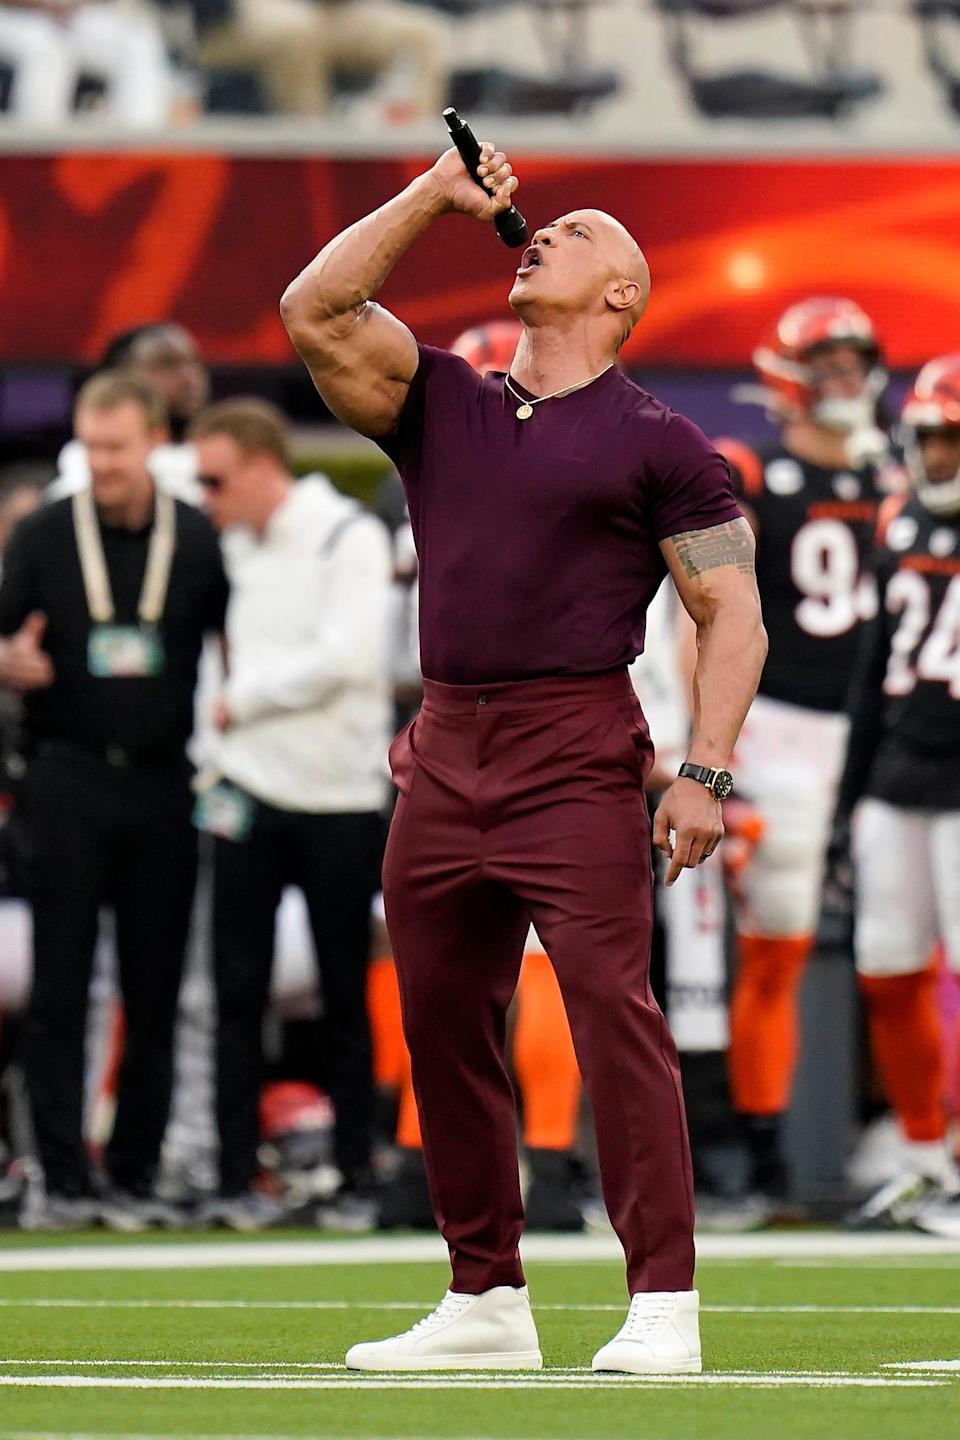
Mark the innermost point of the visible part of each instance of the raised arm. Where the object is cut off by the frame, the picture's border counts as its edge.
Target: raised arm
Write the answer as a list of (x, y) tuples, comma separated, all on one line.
[(361, 357), (714, 574)]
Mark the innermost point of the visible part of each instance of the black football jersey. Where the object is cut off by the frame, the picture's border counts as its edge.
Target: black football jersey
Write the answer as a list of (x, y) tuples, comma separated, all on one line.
[(905, 711), (816, 532), (918, 571)]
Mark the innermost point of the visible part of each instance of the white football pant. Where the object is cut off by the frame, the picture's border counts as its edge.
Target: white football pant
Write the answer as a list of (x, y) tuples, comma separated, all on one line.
[(908, 887), (787, 764)]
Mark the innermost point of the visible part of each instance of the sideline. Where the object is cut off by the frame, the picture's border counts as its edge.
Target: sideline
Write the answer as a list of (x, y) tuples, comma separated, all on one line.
[(459, 1380), (32, 1302), (415, 1249)]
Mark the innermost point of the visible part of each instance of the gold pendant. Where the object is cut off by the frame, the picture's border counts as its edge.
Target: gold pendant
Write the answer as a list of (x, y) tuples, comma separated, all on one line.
[(525, 411)]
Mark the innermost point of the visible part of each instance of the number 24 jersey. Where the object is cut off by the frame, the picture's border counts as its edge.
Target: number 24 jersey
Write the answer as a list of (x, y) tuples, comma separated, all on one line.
[(905, 700), (918, 570), (816, 532)]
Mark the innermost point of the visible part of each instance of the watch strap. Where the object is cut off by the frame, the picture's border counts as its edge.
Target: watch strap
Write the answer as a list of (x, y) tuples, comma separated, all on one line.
[(703, 773)]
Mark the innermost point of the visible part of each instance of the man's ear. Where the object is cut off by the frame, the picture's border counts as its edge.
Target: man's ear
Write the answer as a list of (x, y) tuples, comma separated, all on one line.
[(623, 294)]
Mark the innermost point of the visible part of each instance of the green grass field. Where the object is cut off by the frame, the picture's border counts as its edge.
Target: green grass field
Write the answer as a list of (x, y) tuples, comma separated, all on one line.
[(163, 1339)]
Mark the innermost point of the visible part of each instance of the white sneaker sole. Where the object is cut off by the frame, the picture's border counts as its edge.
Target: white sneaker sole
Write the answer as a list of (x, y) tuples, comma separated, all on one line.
[(674, 1367), (516, 1360)]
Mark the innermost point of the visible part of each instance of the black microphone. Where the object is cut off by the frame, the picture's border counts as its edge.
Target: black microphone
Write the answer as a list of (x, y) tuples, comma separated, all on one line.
[(511, 226)]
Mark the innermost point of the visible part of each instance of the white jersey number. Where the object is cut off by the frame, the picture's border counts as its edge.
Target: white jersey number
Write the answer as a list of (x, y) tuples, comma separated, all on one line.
[(825, 568), (908, 595)]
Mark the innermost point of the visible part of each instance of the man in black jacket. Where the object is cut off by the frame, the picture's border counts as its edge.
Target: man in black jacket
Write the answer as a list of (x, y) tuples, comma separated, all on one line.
[(105, 600)]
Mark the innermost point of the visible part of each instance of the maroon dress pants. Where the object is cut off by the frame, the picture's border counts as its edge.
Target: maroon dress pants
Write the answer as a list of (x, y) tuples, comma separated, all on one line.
[(521, 801)]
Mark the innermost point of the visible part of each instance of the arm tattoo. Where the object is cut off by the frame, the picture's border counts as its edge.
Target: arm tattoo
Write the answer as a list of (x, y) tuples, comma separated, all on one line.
[(729, 544)]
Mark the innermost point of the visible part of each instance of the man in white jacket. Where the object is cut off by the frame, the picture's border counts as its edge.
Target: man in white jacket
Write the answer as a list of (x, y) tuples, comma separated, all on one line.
[(300, 780)]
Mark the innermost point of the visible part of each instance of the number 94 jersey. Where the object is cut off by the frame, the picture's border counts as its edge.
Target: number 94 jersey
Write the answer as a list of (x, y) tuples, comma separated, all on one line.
[(815, 535)]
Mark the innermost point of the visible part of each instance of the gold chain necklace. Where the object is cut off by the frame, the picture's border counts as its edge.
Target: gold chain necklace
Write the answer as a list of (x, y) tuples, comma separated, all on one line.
[(526, 406)]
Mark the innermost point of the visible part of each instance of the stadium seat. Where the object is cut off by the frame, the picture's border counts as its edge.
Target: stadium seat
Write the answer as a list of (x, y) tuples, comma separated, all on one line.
[(832, 90)]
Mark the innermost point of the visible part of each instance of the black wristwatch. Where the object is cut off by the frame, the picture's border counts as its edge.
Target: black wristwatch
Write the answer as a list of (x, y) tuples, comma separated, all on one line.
[(718, 782)]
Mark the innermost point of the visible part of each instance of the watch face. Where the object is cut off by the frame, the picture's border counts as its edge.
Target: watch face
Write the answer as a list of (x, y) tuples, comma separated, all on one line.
[(723, 785)]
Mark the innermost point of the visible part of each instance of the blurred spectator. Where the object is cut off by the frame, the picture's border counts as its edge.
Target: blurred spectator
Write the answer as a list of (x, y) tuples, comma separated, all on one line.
[(50, 44), (21, 491), (165, 355), (104, 602), (294, 46), (300, 777)]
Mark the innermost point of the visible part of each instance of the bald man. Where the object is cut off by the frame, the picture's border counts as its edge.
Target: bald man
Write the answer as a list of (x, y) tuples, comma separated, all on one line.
[(548, 504)]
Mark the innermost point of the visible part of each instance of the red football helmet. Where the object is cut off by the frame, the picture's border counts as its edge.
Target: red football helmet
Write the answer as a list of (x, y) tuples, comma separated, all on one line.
[(489, 347), (933, 404), (782, 362)]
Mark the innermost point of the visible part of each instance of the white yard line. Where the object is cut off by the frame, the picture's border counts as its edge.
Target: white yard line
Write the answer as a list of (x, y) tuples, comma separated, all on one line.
[(272, 1368), (419, 1248), (420, 1306), (458, 1381), (939, 1365), (947, 1261), (307, 1365), (823, 1309)]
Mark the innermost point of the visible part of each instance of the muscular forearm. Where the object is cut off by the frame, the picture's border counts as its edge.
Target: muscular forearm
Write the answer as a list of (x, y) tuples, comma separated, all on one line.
[(731, 649), (351, 268)]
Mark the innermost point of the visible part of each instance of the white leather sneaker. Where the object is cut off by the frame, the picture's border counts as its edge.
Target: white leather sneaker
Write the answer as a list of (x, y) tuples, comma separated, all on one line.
[(492, 1331), (660, 1336)]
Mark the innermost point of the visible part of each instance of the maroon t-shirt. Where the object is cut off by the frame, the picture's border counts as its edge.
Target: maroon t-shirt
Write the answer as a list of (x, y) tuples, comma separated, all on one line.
[(538, 538)]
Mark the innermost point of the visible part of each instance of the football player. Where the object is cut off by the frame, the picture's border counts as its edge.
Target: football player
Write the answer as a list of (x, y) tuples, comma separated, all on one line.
[(904, 761), (814, 497)]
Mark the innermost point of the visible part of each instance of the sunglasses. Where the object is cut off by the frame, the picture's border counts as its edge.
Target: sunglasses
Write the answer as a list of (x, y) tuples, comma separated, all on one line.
[(210, 482)]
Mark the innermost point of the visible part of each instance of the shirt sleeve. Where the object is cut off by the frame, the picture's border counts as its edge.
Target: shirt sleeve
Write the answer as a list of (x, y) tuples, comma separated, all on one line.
[(404, 442), (745, 466), (18, 595), (691, 489), (349, 643)]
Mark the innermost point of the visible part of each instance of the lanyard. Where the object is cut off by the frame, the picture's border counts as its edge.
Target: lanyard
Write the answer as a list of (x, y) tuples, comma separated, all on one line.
[(93, 562)]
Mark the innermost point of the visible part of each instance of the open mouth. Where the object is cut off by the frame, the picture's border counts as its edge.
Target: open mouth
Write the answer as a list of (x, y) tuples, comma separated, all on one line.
[(531, 259)]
